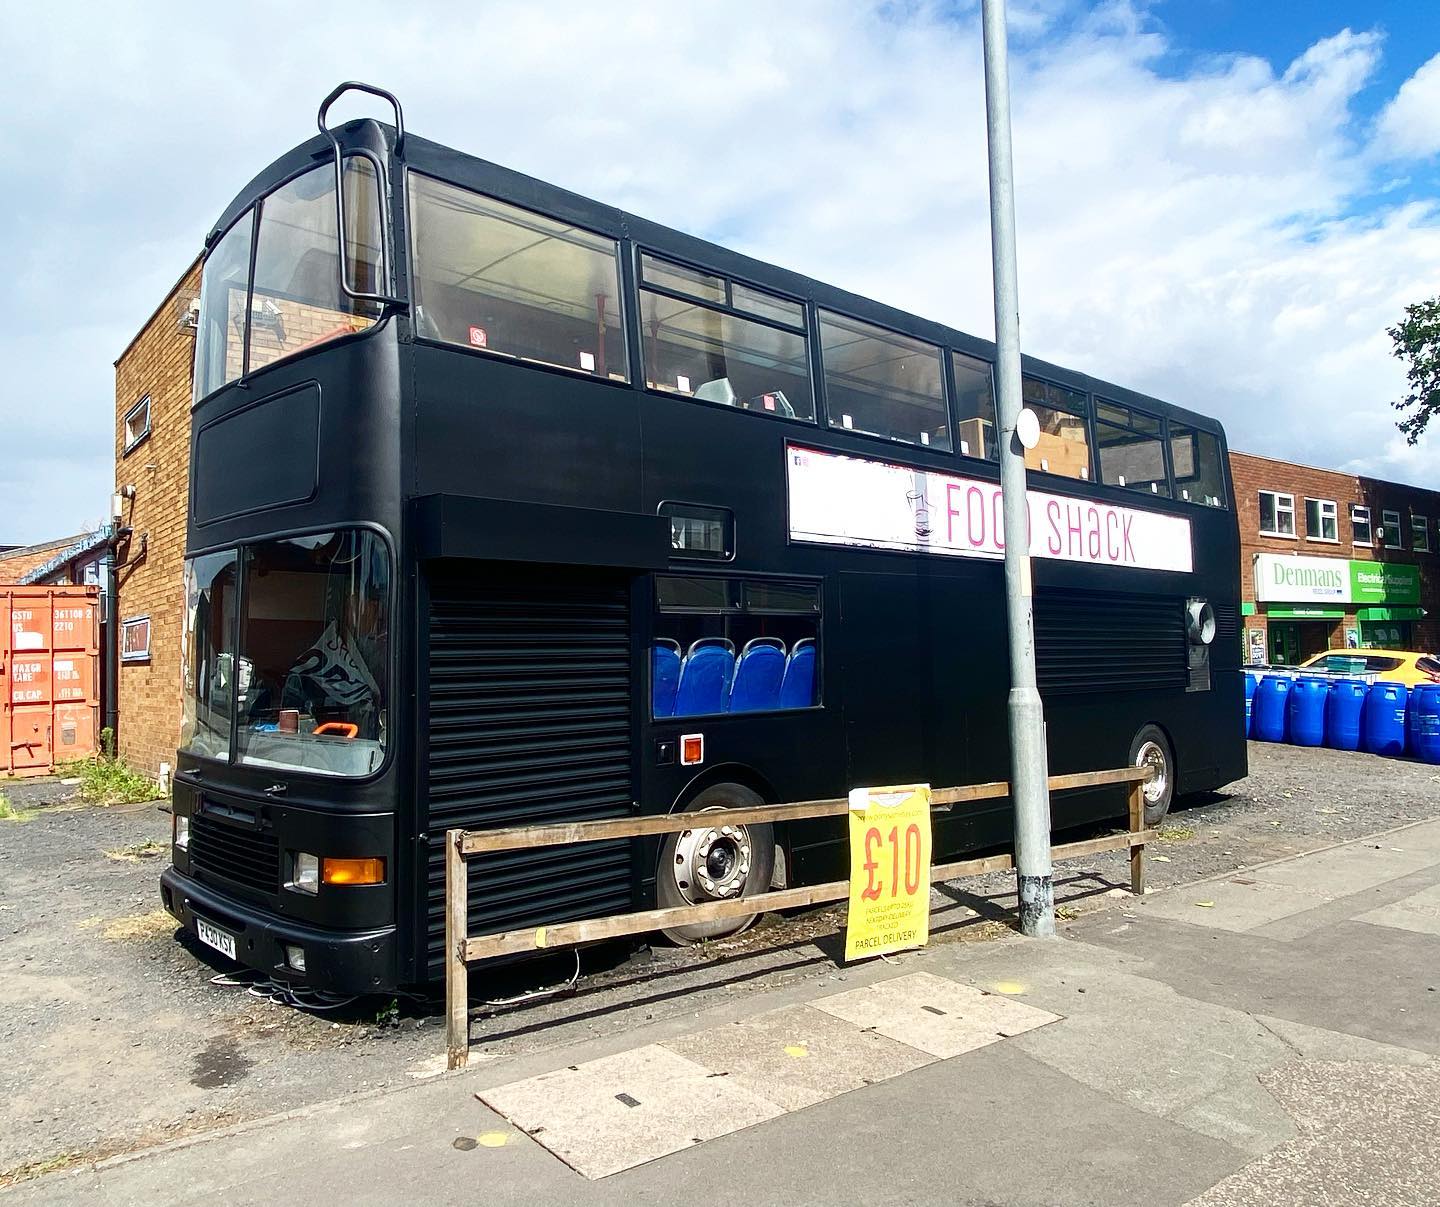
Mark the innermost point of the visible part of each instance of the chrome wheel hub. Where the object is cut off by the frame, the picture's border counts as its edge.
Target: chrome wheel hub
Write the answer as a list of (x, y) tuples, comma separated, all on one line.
[(1153, 756), (711, 864)]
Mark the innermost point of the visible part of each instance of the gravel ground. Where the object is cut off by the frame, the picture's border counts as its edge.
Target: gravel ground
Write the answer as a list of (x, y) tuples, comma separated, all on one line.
[(112, 1036)]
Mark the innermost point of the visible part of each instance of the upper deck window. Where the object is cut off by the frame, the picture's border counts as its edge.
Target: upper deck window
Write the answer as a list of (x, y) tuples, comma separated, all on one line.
[(504, 280), (1195, 455), (220, 339), (1063, 448), (882, 383), (295, 301), (711, 338), (975, 407), (1130, 448)]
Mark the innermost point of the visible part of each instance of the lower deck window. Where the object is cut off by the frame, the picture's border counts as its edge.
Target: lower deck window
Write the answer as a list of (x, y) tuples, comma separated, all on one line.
[(724, 645)]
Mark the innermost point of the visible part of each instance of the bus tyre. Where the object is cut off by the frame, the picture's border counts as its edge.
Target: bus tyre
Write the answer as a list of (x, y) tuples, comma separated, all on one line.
[(719, 862), (1151, 748)]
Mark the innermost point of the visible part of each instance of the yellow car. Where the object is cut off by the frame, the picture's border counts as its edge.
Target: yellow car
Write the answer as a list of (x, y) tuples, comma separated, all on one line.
[(1393, 666)]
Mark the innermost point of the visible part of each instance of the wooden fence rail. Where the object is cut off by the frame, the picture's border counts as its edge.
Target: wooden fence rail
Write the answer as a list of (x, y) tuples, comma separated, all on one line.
[(461, 949)]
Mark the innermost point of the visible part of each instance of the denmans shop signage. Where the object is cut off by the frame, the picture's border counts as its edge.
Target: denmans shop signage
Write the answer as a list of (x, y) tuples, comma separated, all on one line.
[(1280, 578), (839, 500)]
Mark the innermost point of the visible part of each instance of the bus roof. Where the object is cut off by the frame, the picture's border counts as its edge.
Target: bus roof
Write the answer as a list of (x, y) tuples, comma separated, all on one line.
[(529, 192)]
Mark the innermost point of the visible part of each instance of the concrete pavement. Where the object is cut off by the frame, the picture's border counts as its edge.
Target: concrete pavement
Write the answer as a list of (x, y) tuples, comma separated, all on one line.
[(1267, 1037)]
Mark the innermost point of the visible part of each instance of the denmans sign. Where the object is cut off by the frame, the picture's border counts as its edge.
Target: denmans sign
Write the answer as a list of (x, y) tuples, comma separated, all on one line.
[(1281, 578)]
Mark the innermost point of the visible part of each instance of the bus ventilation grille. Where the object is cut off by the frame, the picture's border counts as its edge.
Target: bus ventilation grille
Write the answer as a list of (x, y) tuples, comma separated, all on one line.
[(530, 722), (242, 857), (1089, 641)]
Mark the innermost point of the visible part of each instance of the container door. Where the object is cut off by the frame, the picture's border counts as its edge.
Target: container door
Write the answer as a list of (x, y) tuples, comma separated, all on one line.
[(31, 717), (530, 689)]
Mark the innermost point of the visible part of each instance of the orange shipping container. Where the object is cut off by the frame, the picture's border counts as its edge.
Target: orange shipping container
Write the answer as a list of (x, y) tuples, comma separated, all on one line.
[(49, 676)]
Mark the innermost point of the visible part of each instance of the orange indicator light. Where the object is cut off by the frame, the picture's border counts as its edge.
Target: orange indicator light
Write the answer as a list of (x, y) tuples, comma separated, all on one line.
[(353, 871)]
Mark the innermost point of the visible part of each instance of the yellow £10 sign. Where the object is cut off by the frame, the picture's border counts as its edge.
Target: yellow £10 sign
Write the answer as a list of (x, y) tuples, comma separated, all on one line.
[(889, 870)]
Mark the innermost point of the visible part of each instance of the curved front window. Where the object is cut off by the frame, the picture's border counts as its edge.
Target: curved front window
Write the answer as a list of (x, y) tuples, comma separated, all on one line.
[(302, 665), (271, 286)]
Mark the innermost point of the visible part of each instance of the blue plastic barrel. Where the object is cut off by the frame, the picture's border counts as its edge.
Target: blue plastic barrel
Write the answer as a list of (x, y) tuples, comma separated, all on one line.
[(1250, 685), (1382, 722), (1307, 710), (1271, 698), (1424, 717), (1343, 706)]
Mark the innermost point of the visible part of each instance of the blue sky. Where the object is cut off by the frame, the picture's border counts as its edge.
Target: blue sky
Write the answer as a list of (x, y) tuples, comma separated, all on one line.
[(1220, 203)]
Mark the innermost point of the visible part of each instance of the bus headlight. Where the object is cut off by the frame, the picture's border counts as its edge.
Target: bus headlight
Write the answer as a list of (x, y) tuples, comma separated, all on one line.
[(304, 873), (179, 832)]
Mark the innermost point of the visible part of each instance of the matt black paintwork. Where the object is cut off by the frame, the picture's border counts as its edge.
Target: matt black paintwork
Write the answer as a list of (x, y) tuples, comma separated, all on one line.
[(455, 453)]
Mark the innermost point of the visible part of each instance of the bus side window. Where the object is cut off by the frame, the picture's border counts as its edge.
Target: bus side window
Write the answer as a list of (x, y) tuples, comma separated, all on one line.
[(1131, 451), (974, 407), (726, 645), (503, 280), (1195, 457), (1063, 448), (882, 383), (714, 339)]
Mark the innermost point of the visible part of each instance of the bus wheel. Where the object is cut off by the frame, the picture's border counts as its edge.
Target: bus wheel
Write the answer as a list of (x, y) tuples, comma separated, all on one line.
[(719, 862), (1151, 749)]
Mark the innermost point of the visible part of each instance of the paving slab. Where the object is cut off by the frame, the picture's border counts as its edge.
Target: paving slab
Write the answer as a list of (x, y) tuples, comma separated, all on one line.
[(798, 1056), (1419, 912), (624, 1110), (1353, 868), (934, 1014), (1239, 904)]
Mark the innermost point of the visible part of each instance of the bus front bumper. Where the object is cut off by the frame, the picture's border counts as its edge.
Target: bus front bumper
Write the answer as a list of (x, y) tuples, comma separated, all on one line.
[(336, 961)]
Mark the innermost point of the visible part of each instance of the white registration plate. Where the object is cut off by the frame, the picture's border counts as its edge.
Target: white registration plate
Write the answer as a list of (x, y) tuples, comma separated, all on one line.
[(213, 936)]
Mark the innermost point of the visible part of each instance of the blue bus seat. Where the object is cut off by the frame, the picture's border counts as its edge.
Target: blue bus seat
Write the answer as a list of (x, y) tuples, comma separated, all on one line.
[(705, 677), (664, 675), (798, 688), (758, 675)]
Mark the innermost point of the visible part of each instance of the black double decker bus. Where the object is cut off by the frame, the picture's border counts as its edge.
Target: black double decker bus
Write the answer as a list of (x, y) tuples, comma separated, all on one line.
[(507, 506)]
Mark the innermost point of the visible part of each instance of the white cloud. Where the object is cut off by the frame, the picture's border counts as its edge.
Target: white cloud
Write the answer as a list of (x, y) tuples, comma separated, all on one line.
[(1194, 235), (1409, 126)]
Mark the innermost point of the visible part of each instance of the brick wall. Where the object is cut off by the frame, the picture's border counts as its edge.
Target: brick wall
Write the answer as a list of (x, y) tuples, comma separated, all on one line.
[(158, 363), (1252, 474)]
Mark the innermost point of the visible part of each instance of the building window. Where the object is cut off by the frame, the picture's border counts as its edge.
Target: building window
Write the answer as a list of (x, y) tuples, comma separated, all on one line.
[(1322, 520), (135, 639), (1360, 524), (1420, 533), (1277, 514), (1390, 534), (137, 424)]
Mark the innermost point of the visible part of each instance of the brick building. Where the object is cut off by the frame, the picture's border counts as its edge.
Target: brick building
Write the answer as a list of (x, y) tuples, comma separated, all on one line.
[(1330, 560), (152, 475), (19, 561)]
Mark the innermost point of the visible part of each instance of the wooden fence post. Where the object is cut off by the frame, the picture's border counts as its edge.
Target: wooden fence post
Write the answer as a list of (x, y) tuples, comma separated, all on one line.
[(457, 977), (1137, 824)]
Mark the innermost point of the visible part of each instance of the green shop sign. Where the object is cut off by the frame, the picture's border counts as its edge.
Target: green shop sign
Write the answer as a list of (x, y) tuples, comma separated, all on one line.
[(1330, 582), (1378, 583)]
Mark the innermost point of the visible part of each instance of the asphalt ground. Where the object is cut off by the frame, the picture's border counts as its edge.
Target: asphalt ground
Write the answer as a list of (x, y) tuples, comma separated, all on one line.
[(1262, 1039), (113, 1037)]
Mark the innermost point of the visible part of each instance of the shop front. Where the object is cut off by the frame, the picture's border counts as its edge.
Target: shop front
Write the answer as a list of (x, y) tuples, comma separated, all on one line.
[(1306, 605)]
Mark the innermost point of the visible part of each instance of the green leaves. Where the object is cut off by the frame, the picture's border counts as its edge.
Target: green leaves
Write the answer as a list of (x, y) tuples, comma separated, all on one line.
[(1417, 343)]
